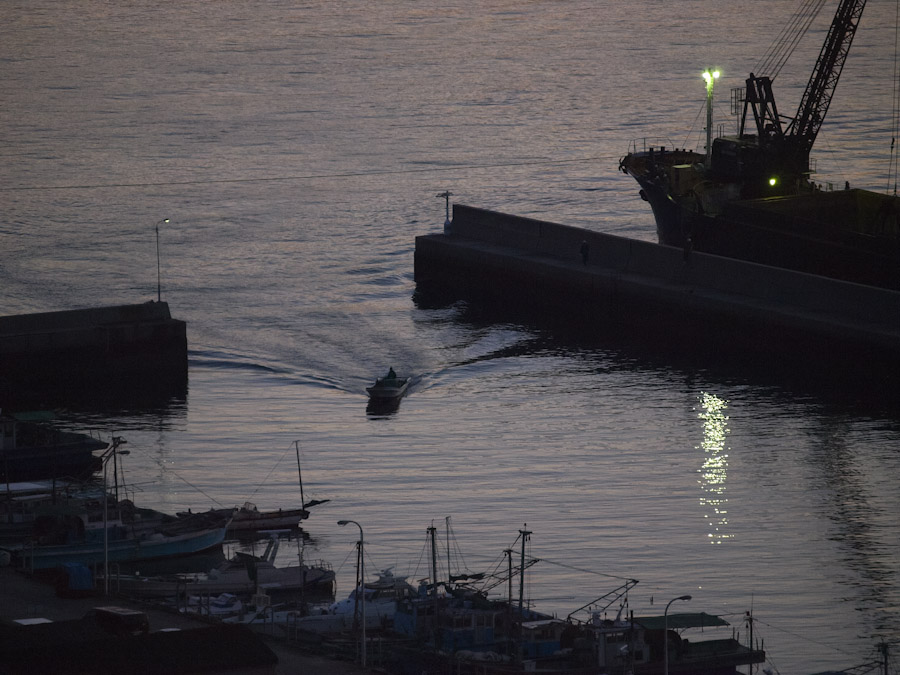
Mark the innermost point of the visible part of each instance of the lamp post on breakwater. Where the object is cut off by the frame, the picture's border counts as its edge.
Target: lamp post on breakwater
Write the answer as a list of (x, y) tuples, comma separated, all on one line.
[(158, 285), (446, 194), (666, 633), (361, 589)]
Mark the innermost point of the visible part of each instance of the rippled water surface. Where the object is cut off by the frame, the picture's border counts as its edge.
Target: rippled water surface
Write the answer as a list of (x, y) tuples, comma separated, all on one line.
[(297, 149)]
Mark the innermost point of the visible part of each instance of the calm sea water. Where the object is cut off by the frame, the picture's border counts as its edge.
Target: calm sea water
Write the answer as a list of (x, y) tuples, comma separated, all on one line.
[(297, 149)]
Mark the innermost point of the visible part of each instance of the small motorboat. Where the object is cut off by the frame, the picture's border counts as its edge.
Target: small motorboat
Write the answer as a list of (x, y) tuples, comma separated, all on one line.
[(388, 388)]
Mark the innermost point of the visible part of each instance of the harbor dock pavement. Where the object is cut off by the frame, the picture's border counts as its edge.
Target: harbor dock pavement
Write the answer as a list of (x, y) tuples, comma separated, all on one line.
[(22, 597)]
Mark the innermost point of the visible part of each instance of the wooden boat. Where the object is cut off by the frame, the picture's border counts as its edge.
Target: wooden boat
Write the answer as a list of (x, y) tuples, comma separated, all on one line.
[(694, 643), (243, 574), (507, 636), (248, 518), (91, 548), (90, 530), (21, 503), (381, 597), (31, 448), (388, 388)]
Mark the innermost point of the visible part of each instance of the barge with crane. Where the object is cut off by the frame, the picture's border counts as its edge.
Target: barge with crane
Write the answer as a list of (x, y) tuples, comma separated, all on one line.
[(751, 196)]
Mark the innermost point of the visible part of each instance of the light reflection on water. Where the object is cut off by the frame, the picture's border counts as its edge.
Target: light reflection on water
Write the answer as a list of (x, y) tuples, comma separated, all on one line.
[(714, 472)]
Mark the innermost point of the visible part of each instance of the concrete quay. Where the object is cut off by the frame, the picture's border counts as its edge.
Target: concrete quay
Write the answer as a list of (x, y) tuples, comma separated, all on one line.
[(78, 348), (238, 652), (659, 293), (109, 330)]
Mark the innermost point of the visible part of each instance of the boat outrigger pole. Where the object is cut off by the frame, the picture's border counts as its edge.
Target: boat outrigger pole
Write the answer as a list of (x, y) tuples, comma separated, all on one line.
[(300, 474)]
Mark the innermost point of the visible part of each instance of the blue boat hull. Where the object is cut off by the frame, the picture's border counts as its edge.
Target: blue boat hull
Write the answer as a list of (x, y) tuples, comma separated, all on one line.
[(117, 550)]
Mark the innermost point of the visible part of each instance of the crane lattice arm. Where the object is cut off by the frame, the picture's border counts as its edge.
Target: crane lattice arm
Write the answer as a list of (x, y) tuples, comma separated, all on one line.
[(824, 79)]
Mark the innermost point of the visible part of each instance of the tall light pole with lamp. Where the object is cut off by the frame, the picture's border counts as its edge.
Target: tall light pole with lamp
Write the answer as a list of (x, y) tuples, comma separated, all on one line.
[(361, 590), (158, 284), (710, 75), (666, 633)]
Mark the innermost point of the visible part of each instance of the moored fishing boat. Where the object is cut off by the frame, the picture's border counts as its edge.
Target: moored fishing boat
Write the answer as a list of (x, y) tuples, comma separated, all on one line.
[(93, 527), (21, 504), (243, 574), (32, 448), (83, 538), (460, 626), (751, 197), (248, 519), (380, 598)]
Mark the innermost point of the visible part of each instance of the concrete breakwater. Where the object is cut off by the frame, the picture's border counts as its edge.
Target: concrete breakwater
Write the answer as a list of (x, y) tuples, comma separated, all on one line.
[(688, 298), (72, 347)]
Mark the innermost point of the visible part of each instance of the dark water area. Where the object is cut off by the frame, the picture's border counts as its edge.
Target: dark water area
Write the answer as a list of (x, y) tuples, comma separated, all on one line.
[(297, 151)]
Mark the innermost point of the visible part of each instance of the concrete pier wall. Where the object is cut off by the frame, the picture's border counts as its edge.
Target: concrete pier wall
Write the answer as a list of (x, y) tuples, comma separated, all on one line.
[(520, 260), (52, 350), (122, 328)]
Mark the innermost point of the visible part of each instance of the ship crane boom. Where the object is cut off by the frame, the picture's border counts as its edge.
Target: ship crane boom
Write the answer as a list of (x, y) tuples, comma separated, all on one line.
[(823, 81), (785, 148)]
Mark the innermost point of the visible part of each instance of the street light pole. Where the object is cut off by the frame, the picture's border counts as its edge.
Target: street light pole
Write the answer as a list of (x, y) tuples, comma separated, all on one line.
[(158, 284), (362, 586), (666, 633)]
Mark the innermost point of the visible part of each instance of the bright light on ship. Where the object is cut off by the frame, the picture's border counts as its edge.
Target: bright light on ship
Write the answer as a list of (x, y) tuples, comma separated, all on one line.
[(710, 76), (773, 181)]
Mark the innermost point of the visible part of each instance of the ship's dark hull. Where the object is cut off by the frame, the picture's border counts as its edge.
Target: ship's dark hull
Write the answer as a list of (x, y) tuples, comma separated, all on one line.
[(849, 235)]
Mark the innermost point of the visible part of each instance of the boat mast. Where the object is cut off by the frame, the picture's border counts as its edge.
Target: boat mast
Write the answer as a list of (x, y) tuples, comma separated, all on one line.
[(525, 535), (434, 581), (509, 594), (519, 655), (750, 630)]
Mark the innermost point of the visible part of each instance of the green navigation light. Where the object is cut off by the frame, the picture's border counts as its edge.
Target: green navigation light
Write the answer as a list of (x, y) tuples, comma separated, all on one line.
[(773, 181)]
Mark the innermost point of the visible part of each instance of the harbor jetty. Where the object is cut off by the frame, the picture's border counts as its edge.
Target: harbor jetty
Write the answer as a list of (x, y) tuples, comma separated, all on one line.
[(65, 349), (674, 297)]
